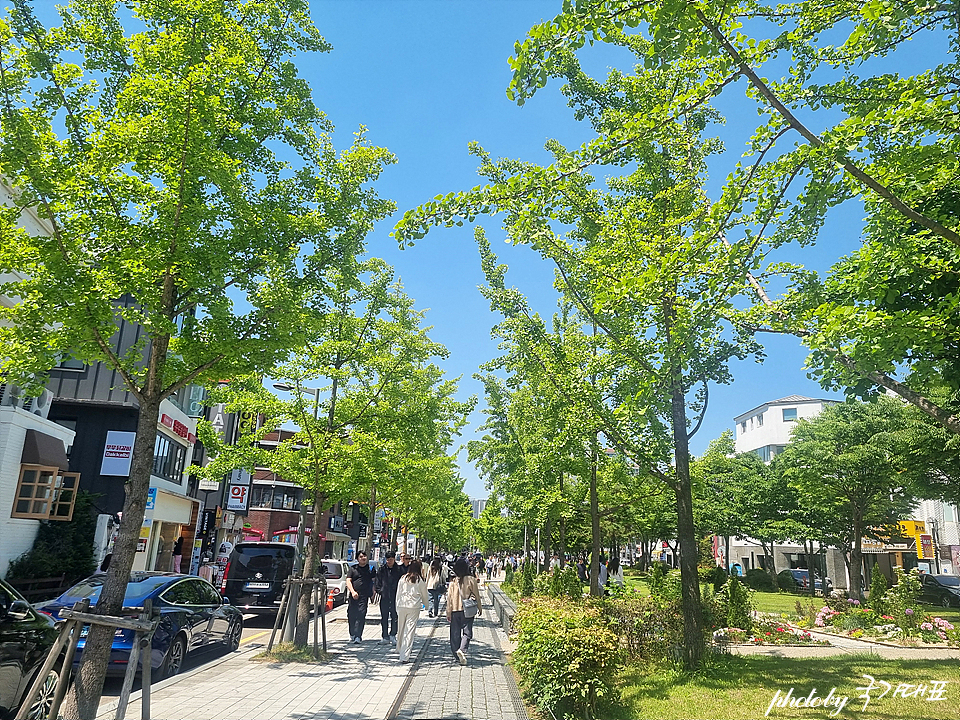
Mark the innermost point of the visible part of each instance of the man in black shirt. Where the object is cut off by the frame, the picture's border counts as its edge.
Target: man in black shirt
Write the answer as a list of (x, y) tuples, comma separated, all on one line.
[(359, 589), (388, 576)]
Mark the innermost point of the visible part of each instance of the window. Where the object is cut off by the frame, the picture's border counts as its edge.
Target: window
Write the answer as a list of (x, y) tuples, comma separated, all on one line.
[(743, 427), (760, 420), (187, 592), (789, 414), (275, 498), (45, 493), (168, 459), (70, 363)]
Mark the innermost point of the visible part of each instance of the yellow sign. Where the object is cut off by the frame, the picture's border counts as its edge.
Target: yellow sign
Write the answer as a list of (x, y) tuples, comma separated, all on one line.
[(917, 530)]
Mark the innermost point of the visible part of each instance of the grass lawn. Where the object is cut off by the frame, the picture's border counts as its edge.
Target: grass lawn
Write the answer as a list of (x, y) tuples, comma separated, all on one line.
[(736, 687), (787, 602)]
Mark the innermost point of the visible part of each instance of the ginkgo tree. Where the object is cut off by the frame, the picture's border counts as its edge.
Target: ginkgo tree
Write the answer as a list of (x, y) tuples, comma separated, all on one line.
[(383, 412), (190, 186)]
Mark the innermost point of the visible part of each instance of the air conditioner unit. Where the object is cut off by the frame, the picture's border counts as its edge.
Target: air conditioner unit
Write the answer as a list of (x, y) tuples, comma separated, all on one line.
[(12, 396)]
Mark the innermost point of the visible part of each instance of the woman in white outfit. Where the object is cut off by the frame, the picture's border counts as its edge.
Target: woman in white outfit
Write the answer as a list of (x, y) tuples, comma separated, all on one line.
[(411, 596)]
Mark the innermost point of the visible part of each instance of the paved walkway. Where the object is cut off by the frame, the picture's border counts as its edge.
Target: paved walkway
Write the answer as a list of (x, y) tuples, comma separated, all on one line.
[(359, 682)]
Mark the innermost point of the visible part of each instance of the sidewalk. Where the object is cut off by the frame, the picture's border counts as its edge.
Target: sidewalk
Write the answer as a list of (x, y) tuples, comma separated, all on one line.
[(359, 682)]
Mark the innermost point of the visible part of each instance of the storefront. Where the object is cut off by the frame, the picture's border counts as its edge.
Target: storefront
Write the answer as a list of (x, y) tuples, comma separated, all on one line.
[(169, 517)]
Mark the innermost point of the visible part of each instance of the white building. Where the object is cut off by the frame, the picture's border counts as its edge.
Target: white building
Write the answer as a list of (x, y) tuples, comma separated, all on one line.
[(766, 429)]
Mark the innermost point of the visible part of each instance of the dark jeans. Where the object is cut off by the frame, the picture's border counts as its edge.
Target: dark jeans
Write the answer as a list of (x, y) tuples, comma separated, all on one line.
[(461, 631), (435, 594), (388, 614), (357, 615)]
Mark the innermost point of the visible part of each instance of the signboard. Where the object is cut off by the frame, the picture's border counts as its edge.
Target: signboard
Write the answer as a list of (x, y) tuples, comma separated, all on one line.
[(925, 547), (239, 477), (144, 535), (336, 523), (363, 530), (208, 485), (117, 453), (238, 498), (151, 498)]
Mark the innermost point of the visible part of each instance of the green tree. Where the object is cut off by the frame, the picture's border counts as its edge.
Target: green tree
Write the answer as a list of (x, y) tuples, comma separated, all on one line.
[(387, 411), (154, 158), (846, 461)]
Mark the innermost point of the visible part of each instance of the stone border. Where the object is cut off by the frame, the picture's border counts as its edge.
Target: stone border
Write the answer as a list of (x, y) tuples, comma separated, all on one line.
[(503, 607)]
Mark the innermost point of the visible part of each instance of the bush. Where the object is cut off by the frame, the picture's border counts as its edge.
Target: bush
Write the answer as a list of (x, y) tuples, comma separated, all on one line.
[(61, 548), (527, 573), (566, 583), (786, 581), (651, 628), (542, 582), (901, 600), (757, 579), (878, 588), (669, 587), (715, 576), (658, 571), (508, 574), (567, 656), (735, 606)]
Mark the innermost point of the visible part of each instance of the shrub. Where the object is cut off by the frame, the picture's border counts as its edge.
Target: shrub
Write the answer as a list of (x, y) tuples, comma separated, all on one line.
[(787, 581), (567, 656), (542, 583), (757, 579), (650, 627), (901, 600), (715, 576), (566, 583), (735, 606), (527, 574), (508, 574), (657, 572), (878, 588), (669, 586)]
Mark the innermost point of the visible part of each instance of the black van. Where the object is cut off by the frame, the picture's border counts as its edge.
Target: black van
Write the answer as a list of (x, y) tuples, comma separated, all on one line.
[(254, 576)]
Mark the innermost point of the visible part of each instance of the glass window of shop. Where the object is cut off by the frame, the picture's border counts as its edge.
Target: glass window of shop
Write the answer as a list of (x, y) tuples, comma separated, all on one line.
[(168, 459), (274, 497)]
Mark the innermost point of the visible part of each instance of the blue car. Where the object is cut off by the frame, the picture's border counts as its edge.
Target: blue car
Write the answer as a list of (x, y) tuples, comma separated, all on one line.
[(193, 616)]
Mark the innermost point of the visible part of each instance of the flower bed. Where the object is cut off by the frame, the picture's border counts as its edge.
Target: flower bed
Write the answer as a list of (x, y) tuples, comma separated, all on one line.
[(766, 631), (912, 628)]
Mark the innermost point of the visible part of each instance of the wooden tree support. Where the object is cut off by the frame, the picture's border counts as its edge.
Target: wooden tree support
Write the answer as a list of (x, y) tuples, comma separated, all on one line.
[(144, 627), (318, 587)]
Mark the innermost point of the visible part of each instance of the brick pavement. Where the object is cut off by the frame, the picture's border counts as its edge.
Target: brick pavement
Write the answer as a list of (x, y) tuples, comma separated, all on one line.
[(360, 682)]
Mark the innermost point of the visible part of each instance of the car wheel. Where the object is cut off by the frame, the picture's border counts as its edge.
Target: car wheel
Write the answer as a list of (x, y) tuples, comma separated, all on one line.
[(232, 640), (945, 601), (41, 706), (173, 662)]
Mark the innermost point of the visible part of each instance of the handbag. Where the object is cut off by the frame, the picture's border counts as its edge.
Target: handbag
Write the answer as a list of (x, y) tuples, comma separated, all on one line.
[(470, 608)]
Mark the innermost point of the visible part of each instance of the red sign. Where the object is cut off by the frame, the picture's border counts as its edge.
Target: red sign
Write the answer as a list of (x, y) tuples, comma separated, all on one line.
[(180, 429), (166, 420)]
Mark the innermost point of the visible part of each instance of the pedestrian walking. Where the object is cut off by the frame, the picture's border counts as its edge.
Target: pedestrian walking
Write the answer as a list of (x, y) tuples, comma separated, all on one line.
[(463, 605), (411, 596), (582, 570), (489, 567), (359, 590), (614, 573), (387, 578), (436, 585)]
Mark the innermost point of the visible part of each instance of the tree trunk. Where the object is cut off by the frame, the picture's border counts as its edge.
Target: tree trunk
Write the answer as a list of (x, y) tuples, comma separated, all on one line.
[(808, 556), (595, 588), (84, 699), (302, 634), (856, 559), (526, 542), (547, 545), (563, 543), (693, 642)]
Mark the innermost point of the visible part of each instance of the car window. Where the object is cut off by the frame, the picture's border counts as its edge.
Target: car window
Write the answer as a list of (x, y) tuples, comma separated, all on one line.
[(262, 557), (949, 581), (138, 587), (210, 594), (333, 570), (186, 592)]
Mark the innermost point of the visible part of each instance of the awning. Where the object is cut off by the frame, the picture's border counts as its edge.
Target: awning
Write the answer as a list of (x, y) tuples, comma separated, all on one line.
[(336, 536), (42, 449)]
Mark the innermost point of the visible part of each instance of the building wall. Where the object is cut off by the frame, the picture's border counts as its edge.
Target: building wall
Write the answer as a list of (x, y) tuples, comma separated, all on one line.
[(752, 435), (17, 534)]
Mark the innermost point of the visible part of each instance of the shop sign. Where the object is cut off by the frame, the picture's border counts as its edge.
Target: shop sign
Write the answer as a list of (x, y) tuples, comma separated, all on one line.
[(117, 453), (144, 535), (363, 530), (151, 498), (924, 547), (238, 498), (239, 477), (208, 521), (336, 523), (208, 485)]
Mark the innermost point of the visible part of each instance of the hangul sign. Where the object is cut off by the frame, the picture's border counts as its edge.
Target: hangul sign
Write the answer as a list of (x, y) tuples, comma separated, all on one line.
[(238, 498)]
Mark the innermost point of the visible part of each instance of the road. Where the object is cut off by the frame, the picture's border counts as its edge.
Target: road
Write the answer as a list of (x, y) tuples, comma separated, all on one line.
[(256, 628)]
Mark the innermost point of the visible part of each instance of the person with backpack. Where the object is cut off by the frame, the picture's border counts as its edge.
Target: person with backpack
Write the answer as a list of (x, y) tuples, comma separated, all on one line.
[(463, 605), (411, 596), (436, 586)]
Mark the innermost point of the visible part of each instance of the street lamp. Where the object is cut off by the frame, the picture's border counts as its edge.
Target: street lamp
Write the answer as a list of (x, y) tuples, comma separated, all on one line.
[(294, 601)]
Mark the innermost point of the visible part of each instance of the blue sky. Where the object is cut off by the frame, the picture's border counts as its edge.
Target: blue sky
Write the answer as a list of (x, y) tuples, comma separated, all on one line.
[(426, 78)]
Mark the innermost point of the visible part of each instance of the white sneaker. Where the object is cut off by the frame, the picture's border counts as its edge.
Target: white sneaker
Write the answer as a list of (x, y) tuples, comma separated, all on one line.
[(393, 640), (461, 658)]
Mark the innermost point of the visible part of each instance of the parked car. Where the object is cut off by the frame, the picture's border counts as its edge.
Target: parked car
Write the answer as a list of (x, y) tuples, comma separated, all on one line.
[(193, 617), (26, 637), (254, 576), (801, 576), (336, 573), (943, 590)]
